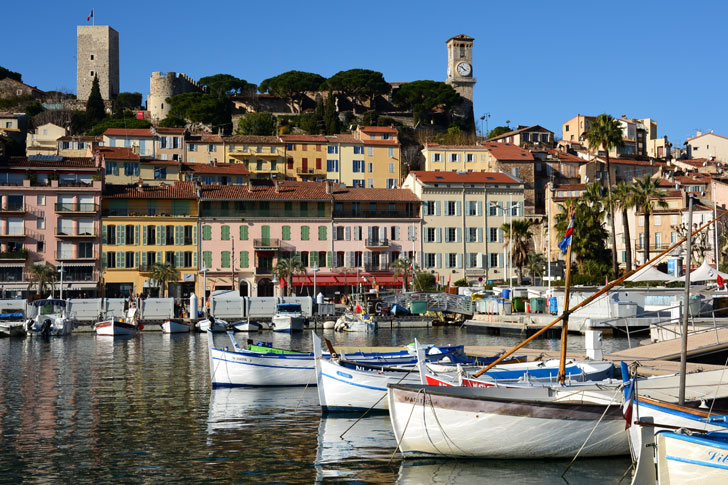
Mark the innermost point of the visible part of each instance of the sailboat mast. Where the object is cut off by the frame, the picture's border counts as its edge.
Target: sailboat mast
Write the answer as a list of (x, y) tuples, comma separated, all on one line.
[(565, 320), (686, 304)]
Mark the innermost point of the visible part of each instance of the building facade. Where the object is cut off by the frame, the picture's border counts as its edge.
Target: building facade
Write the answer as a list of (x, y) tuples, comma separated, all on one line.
[(263, 156), (97, 55)]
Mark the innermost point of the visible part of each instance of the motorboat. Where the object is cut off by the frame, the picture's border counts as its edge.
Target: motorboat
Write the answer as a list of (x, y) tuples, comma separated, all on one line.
[(355, 322), (117, 327), (288, 318), (213, 324), (175, 326), (51, 319), (246, 326)]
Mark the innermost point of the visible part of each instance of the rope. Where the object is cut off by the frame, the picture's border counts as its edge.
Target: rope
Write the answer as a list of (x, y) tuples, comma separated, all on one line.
[(710, 411), (590, 433), (300, 399), (442, 430), (421, 390)]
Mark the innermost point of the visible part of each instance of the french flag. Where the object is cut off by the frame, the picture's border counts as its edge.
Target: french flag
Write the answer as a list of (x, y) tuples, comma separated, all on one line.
[(566, 242), (90, 16)]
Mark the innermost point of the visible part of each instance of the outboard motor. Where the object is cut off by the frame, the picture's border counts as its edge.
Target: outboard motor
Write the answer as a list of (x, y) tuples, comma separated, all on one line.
[(45, 328)]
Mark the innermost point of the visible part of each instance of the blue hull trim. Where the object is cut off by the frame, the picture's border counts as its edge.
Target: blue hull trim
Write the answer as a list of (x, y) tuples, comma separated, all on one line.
[(354, 384)]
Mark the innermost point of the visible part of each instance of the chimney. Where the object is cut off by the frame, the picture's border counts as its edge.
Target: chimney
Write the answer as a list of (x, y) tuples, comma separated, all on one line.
[(247, 185), (140, 184), (329, 186), (277, 185)]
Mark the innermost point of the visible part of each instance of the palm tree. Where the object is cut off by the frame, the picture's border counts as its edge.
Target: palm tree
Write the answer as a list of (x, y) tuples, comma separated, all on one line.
[(41, 276), (623, 195), (647, 195), (589, 237), (606, 132), (404, 267), (285, 269), (162, 274), (521, 242), (535, 264)]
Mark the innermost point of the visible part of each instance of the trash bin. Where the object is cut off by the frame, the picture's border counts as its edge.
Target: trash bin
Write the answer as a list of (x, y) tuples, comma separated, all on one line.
[(507, 308), (538, 305), (553, 305), (518, 304), (418, 307), (506, 293)]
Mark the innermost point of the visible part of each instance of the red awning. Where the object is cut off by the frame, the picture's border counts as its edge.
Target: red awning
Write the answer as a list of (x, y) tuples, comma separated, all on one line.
[(348, 279)]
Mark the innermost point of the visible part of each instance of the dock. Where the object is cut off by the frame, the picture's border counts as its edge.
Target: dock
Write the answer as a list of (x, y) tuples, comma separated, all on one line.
[(700, 343)]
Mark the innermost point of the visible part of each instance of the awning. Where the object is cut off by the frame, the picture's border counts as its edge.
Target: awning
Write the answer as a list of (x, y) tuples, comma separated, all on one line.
[(12, 265), (348, 279), (73, 265)]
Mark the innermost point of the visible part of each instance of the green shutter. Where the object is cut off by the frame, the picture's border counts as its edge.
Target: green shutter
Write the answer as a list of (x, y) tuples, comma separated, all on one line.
[(225, 259), (207, 259), (136, 259), (178, 259), (265, 234), (160, 236), (321, 209), (330, 259), (103, 260), (304, 233), (103, 234), (120, 236), (244, 259), (160, 258), (225, 233), (144, 235), (194, 259), (206, 233), (179, 236), (136, 235), (313, 259), (322, 233), (194, 235), (243, 233), (298, 256), (145, 259), (286, 233), (120, 259)]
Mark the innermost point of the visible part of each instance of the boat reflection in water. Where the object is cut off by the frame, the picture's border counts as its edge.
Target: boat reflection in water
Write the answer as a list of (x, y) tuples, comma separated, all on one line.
[(441, 471), (365, 446)]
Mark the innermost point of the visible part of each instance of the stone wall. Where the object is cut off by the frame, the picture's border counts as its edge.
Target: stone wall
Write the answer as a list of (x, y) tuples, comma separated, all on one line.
[(163, 85), (98, 53)]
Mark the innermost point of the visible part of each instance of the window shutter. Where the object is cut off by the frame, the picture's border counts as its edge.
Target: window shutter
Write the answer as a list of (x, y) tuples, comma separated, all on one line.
[(243, 233), (349, 259), (144, 259), (120, 259), (207, 259), (330, 258), (136, 259), (225, 233), (459, 259), (458, 208), (313, 259), (333, 233), (206, 233), (225, 259), (179, 235), (244, 259), (160, 258), (459, 234), (383, 233), (396, 233), (322, 234), (438, 234), (120, 236), (520, 209), (480, 234), (481, 261), (370, 232), (437, 207), (357, 233), (103, 260), (178, 259), (298, 256), (160, 236), (194, 259), (347, 233), (479, 208), (500, 235), (103, 234), (500, 262), (136, 235), (367, 258), (194, 236), (304, 233), (286, 233), (438, 260)]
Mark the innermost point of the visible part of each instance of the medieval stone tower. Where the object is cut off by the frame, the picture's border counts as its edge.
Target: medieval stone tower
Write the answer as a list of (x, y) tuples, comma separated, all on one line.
[(97, 54), (163, 85)]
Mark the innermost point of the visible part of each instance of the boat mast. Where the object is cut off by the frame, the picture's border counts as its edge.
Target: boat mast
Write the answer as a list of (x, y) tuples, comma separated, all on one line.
[(565, 314), (686, 304)]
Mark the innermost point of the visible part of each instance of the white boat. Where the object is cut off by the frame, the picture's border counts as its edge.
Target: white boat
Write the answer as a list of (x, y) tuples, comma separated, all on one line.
[(355, 322), (175, 326), (288, 318), (494, 422), (116, 327), (214, 324), (51, 319), (246, 326)]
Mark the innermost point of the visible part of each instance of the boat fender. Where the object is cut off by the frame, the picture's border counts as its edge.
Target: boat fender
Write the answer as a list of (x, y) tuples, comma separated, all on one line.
[(141, 326)]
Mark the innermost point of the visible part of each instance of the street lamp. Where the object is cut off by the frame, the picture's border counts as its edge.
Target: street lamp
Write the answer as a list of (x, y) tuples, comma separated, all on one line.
[(60, 270), (314, 271), (509, 261), (204, 271), (485, 118)]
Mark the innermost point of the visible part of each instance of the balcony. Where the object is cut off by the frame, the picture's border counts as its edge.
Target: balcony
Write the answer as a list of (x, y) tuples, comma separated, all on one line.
[(305, 172), (68, 256), (264, 270), (66, 234), (13, 209), (374, 215), (77, 208), (14, 235), (375, 267), (20, 255), (376, 243), (267, 244)]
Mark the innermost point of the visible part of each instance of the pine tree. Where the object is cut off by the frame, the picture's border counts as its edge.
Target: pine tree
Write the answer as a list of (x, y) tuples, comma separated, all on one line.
[(95, 110), (331, 118), (319, 114)]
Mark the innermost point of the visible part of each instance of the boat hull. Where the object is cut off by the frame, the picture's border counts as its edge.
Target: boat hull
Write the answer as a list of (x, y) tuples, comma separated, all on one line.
[(111, 328), (287, 324), (228, 369), (692, 459), (467, 422), (170, 326)]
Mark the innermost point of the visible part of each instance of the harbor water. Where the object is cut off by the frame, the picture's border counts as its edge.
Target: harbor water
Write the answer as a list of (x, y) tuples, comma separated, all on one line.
[(92, 409)]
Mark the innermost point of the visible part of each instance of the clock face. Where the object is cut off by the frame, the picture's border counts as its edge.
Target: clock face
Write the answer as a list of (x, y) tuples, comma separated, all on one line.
[(464, 69)]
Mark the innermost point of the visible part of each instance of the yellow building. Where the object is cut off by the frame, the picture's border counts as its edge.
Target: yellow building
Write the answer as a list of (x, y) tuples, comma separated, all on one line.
[(144, 225), (263, 156), (306, 156), (124, 166)]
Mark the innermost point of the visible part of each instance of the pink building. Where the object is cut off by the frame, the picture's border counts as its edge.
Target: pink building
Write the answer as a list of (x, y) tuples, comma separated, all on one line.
[(49, 213)]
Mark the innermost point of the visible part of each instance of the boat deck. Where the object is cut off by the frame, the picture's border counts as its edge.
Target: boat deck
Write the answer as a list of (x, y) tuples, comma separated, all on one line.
[(705, 342)]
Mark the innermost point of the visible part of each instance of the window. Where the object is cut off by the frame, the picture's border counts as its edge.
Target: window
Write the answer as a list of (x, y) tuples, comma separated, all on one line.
[(289, 146), (450, 208), (304, 258), (187, 259), (322, 233), (454, 157), (91, 57), (391, 183), (493, 234), (390, 152), (340, 259), (192, 147), (131, 169), (472, 234), (40, 223), (305, 230), (450, 234), (472, 260), (332, 165), (188, 235), (429, 208), (370, 183), (86, 227), (435, 158), (358, 150), (452, 260), (175, 142), (357, 258), (370, 167), (673, 237), (259, 165), (391, 168), (332, 149), (430, 234), (357, 183), (472, 208), (111, 259), (40, 200), (658, 221), (469, 157), (40, 246), (493, 260), (515, 171), (110, 234), (112, 168), (225, 259), (225, 233), (357, 166), (339, 233), (169, 235), (160, 173), (92, 74), (151, 235), (211, 148), (429, 260), (129, 259), (658, 240)]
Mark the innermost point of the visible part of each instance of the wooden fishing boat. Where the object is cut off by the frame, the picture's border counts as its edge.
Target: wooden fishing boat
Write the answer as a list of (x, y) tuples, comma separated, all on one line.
[(176, 326), (118, 327)]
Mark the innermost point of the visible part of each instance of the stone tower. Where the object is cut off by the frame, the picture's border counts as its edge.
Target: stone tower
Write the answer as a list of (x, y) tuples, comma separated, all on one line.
[(97, 54), (460, 65), (163, 85)]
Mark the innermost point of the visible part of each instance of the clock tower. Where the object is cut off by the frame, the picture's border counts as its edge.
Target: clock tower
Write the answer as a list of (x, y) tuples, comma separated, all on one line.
[(460, 65)]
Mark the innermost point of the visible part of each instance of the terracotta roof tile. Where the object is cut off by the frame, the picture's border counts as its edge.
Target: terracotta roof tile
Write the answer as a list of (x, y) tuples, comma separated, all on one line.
[(219, 169), (81, 138), (180, 190), (251, 139), (203, 138), (469, 177), (508, 152), (266, 190), (386, 195), (170, 131), (377, 129), (302, 138), (55, 163), (131, 132), (118, 153), (706, 134)]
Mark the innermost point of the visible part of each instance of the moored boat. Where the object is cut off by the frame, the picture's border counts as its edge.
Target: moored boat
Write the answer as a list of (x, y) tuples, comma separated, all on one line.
[(175, 326), (246, 326), (213, 324), (117, 327), (355, 322), (51, 319), (288, 318)]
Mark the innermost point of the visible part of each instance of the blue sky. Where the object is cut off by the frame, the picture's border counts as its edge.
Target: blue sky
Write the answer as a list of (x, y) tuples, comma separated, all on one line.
[(537, 63)]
